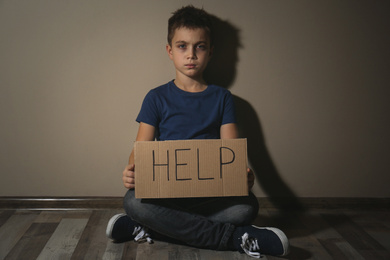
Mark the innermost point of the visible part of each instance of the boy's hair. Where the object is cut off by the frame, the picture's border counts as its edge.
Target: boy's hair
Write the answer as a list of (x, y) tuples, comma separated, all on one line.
[(192, 18)]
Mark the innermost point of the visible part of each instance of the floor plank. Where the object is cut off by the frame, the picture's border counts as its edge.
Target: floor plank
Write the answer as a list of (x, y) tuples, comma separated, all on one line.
[(328, 237), (80, 234), (348, 250), (64, 239), (375, 223), (113, 251), (5, 215), (13, 230), (130, 250), (92, 244), (355, 235), (223, 255), (33, 241), (157, 250)]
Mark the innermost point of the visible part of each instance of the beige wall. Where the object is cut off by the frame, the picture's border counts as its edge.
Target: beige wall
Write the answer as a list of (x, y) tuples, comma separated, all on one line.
[(311, 80)]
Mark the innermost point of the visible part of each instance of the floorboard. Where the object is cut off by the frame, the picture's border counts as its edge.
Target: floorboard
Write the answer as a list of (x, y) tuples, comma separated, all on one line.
[(13, 230), (80, 234), (63, 242), (33, 241)]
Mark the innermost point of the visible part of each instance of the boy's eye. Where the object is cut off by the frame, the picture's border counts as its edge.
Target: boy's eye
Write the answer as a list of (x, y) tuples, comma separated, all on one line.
[(181, 46), (202, 47)]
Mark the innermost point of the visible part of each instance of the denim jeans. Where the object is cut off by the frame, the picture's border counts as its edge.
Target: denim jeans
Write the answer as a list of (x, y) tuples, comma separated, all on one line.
[(199, 222)]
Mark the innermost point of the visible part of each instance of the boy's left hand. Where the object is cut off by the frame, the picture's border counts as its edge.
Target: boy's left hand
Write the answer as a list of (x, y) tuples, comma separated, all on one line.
[(251, 178)]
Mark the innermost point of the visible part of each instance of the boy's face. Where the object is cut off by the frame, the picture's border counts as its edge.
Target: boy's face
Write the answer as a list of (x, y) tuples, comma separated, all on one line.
[(190, 52)]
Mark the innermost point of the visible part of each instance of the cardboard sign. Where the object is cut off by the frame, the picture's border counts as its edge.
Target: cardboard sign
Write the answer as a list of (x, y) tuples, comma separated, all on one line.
[(191, 168)]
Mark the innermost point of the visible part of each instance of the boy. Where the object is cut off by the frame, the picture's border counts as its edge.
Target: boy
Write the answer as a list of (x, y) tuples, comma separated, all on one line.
[(189, 108)]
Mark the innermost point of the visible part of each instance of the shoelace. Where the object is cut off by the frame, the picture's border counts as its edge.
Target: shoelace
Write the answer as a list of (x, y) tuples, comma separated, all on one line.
[(250, 246), (141, 235)]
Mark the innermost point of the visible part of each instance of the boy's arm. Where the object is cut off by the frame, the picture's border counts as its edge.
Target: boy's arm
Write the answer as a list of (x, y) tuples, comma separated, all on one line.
[(145, 133), (230, 131)]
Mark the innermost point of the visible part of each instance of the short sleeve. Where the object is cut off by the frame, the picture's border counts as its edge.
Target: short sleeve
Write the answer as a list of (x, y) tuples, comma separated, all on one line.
[(149, 112), (229, 111)]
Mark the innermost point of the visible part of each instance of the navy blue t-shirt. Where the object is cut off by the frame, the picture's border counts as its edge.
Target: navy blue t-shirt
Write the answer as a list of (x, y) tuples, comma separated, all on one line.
[(180, 115)]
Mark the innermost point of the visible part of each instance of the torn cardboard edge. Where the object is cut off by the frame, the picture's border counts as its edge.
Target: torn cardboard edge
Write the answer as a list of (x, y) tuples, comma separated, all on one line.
[(191, 168)]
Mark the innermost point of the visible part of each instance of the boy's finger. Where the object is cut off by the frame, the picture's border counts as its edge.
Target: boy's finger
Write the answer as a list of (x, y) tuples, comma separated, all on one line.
[(130, 167)]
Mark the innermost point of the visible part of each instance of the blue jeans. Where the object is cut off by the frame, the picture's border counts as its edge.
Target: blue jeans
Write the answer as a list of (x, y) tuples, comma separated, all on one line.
[(199, 222)]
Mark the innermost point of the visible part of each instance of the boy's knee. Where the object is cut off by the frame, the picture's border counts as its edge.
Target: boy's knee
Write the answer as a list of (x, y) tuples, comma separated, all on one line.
[(254, 203), (243, 215), (137, 209), (129, 203), (249, 210)]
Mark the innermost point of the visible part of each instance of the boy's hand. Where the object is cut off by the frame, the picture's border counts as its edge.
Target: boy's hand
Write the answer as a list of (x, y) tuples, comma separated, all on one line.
[(251, 178), (128, 177)]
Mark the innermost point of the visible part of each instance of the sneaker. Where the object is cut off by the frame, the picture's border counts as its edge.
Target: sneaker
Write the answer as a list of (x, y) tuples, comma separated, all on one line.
[(122, 228), (255, 241)]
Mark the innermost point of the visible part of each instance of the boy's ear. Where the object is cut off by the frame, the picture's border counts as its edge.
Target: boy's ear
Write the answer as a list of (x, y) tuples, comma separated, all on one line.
[(211, 51), (169, 51)]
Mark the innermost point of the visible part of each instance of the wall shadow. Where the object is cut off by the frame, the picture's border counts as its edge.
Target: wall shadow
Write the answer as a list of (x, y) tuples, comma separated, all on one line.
[(266, 172), (222, 71)]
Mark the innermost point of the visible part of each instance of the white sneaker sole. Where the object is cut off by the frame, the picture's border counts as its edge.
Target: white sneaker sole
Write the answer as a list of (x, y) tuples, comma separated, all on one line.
[(111, 223), (283, 238)]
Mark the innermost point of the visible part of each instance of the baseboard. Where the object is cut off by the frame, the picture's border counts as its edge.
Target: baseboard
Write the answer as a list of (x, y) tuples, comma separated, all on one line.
[(325, 203), (265, 202), (60, 202)]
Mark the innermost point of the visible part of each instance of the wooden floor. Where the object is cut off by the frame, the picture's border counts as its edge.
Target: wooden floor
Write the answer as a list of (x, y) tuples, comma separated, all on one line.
[(80, 234)]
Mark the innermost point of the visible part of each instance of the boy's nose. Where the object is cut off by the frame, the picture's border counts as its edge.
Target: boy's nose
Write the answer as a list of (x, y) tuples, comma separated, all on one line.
[(191, 53)]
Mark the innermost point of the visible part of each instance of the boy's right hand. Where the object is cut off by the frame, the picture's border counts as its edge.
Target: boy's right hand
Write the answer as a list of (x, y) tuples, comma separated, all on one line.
[(128, 176)]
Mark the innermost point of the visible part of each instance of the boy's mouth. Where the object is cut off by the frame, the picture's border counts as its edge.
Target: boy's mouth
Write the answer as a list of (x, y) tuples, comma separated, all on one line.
[(190, 66)]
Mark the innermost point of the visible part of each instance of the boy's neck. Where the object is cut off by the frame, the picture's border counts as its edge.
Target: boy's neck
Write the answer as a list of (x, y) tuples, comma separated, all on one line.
[(190, 85)]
